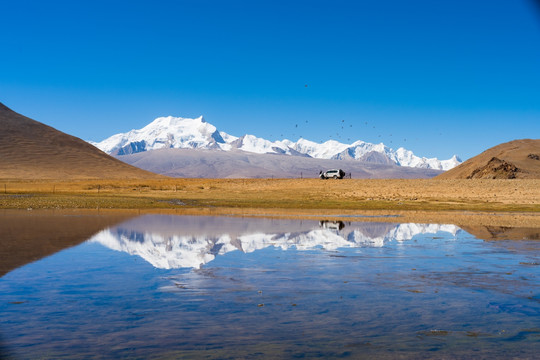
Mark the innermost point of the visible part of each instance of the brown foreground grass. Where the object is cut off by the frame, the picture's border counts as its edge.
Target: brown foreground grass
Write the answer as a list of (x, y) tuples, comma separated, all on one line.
[(286, 197)]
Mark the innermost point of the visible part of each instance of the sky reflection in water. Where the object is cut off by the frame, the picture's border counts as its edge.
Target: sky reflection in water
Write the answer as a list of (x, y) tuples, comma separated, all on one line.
[(264, 288)]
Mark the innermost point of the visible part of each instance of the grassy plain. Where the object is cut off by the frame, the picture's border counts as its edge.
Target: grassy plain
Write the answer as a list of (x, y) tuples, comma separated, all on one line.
[(282, 196), (492, 209)]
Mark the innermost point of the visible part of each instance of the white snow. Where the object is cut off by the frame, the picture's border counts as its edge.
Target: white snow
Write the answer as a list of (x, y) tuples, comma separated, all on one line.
[(186, 133), (167, 132), (181, 250), (257, 145), (325, 150)]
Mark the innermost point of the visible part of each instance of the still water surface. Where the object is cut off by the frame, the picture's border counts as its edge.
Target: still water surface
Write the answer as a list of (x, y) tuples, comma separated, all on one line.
[(161, 286)]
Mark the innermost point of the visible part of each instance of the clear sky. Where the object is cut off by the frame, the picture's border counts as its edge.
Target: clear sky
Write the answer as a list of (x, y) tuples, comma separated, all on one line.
[(439, 77)]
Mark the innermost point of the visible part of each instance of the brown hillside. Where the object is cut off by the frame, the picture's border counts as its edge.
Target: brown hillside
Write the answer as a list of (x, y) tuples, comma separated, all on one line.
[(32, 150), (518, 159)]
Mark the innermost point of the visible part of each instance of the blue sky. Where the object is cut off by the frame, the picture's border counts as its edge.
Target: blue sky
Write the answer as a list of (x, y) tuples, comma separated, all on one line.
[(437, 77)]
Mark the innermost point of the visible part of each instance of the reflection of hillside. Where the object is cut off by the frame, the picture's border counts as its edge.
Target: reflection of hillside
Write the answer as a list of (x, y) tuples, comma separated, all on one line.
[(183, 241), (27, 236), (503, 233)]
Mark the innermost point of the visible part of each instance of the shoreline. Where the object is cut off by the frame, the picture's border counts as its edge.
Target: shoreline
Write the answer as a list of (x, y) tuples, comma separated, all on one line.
[(461, 202), (458, 218)]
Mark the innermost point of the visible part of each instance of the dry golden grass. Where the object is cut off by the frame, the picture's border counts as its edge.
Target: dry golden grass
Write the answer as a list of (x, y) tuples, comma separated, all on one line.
[(353, 195)]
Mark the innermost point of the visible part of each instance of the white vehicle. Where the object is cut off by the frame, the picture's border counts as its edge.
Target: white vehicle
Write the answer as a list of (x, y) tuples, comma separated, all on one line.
[(332, 174)]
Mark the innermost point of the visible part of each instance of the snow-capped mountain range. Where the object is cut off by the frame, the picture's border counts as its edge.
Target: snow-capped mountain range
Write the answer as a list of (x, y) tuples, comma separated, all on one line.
[(181, 249), (184, 133)]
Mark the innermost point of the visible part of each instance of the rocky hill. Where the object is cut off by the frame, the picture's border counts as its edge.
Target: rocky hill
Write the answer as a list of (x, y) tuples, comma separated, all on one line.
[(518, 159)]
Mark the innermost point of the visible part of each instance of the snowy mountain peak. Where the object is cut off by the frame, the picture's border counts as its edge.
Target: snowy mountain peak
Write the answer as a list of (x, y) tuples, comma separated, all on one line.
[(197, 133), (165, 132), (179, 126)]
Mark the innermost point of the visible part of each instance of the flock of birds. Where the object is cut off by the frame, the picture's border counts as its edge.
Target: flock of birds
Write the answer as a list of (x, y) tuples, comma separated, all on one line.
[(343, 128), (339, 134)]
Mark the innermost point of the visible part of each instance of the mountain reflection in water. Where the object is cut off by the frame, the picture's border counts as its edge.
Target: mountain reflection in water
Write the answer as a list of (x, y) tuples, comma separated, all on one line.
[(169, 242), (283, 289)]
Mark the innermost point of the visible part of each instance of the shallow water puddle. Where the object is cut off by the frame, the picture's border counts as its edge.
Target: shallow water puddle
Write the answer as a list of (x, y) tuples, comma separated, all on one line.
[(161, 286)]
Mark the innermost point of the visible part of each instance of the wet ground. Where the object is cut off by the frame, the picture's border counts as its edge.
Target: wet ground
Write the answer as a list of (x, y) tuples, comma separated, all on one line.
[(164, 286)]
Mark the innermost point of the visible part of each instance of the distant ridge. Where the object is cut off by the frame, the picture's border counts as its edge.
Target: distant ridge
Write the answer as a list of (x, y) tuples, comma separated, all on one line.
[(518, 159), (32, 150), (195, 163)]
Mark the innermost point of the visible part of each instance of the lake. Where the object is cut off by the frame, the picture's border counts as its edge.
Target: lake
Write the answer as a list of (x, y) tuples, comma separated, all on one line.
[(174, 287)]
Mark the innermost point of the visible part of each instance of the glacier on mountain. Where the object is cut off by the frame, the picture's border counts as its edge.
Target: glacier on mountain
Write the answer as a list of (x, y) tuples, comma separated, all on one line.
[(186, 133)]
